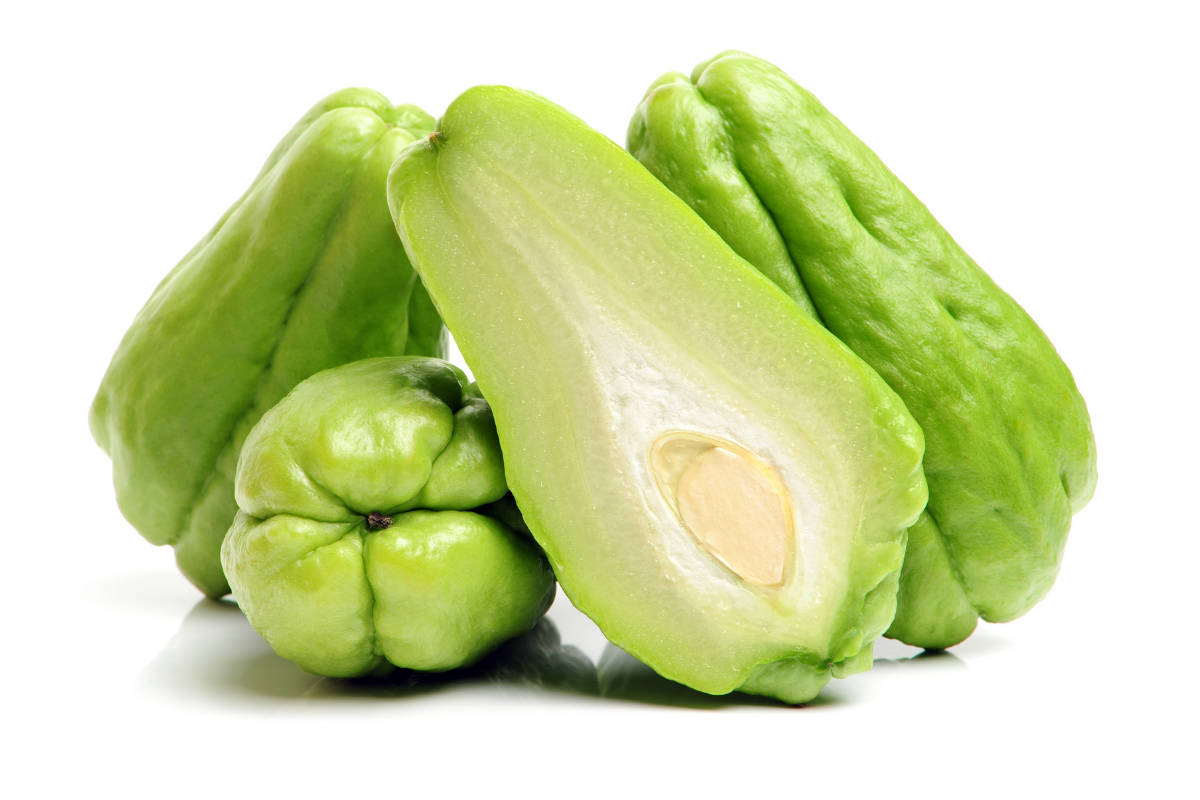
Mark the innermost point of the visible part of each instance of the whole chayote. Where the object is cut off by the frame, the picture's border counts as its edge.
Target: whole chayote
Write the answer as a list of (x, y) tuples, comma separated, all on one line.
[(1009, 452), (375, 526), (304, 272)]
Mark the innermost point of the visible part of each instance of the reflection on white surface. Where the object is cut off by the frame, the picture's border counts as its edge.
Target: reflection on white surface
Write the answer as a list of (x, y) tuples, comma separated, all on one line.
[(623, 677), (135, 591), (216, 654), (927, 659)]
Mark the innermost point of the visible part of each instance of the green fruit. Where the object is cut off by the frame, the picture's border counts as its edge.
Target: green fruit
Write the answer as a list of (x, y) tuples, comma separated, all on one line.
[(304, 272), (356, 546), (1009, 448), (717, 481)]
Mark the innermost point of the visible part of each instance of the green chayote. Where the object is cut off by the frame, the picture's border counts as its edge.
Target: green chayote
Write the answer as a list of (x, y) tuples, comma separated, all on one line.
[(304, 272), (718, 482), (370, 531), (1009, 449)]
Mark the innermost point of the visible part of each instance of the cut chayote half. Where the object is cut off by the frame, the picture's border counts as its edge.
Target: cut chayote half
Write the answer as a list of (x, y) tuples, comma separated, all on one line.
[(304, 272), (370, 529), (717, 481), (1009, 448)]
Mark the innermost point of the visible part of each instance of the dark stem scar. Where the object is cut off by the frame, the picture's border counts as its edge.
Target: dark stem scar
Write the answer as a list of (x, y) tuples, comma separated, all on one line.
[(377, 521)]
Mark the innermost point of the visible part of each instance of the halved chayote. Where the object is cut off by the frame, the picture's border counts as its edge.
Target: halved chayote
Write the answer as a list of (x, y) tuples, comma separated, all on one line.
[(718, 482)]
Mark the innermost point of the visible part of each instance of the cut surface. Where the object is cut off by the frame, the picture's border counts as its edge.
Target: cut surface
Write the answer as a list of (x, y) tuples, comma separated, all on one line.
[(733, 504), (716, 481)]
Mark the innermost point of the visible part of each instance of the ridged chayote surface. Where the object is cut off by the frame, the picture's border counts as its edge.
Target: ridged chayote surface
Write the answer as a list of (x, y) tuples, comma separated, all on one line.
[(373, 528), (304, 272), (1009, 449)]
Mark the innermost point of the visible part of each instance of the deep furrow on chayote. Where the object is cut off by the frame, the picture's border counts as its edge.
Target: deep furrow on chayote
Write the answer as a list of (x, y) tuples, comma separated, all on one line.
[(372, 529)]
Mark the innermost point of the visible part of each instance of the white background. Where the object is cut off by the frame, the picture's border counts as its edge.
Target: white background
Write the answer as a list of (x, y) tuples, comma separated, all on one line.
[(1057, 143)]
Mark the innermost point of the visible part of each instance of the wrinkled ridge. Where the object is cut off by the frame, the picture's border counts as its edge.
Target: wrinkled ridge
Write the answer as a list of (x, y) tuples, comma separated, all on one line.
[(370, 616), (184, 528), (954, 567)]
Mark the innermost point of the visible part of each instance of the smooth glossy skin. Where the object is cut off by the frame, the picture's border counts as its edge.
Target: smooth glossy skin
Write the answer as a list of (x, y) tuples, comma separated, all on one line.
[(304, 272), (600, 315), (1009, 449), (366, 536)]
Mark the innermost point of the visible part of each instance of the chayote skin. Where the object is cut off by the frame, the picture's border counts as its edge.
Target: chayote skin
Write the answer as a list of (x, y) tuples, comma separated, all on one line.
[(717, 481), (1009, 450), (304, 272), (370, 528)]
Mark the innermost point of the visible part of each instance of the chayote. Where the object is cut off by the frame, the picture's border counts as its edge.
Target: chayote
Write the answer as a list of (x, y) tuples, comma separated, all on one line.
[(1009, 448), (304, 272), (717, 481), (370, 528)]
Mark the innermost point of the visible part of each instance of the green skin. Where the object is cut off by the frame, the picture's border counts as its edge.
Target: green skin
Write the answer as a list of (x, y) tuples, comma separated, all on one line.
[(370, 533), (304, 272), (1009, 449), (583, 294)]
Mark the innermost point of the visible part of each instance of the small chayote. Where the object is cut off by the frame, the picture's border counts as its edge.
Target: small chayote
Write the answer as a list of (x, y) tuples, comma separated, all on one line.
[(370, 532)]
